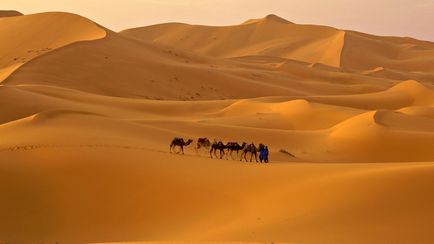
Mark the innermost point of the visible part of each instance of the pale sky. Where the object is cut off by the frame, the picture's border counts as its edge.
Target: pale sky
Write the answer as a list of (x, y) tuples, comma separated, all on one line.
[(413, 18)]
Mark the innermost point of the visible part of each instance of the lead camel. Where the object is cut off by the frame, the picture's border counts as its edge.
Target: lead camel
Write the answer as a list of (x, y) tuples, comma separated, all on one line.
[(179, 142)]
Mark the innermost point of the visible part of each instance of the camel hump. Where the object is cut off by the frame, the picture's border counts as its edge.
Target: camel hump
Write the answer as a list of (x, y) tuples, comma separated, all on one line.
[(202, 140), (178, 139)]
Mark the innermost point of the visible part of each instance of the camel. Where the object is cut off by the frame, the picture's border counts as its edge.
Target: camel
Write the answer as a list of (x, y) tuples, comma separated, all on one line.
[(180, 143), (217, 146), (234, 146), (203, 142), (251, 148)]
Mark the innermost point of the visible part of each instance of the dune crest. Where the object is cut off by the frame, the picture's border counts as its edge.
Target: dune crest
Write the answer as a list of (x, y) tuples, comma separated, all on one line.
[(268, 18)]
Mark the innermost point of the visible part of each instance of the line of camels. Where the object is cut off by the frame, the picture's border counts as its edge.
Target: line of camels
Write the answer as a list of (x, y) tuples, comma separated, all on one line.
[(224, 149)]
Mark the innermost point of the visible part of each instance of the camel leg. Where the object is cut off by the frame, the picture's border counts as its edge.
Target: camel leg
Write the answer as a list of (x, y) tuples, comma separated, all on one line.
[(215, 152), (256, 157), (210, 152), (251, 157), (182, 150)]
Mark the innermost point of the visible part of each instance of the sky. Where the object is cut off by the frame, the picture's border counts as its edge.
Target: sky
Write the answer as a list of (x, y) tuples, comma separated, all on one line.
[(414, 18)]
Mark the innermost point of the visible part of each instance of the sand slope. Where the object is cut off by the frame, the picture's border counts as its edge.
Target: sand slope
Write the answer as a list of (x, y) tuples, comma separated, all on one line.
[(274, 36), (157, 71), (87, 116), (364, 52), (24, 38), (322, 129), (270, 36)]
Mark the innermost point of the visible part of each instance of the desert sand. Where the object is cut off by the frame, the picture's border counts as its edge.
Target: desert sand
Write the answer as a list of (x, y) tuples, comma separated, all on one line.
[(87, 116)]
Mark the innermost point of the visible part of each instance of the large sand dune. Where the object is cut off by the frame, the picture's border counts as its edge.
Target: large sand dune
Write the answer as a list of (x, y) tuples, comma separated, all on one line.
[(87, 115), (270, 36), (274, 36), (24, 38)]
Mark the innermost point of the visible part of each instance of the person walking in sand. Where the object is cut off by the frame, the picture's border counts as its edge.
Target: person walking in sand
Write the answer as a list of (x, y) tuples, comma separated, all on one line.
[(266, 154), (261, 153)]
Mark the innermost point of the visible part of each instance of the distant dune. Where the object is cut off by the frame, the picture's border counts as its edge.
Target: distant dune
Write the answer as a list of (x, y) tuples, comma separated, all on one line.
[(270, 36), (87, 116), (9, 13), (159, 70), (275, 36)]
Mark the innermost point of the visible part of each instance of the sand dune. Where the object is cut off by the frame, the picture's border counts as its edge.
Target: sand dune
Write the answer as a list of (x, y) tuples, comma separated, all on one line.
[(404, 54), (268, 36), (274, 36), (24, 38), (313, 131), (364, 137), (290, 115), (157, 71), (269, 18), (9, 13), (87, 115), (404, 94), (381, 72), (419, 111)]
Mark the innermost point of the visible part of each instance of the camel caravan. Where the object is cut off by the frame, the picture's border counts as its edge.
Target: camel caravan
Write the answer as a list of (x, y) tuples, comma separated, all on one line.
[(217, 149)]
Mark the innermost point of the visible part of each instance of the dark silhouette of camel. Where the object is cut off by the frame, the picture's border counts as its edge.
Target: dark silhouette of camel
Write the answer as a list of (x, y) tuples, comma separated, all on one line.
[(179, 142), (217, 146), (203, 142), (234, 146), (252, 149)]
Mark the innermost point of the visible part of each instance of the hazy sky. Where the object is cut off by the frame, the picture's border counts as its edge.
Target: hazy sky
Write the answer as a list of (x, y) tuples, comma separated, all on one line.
[(384, 17)]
